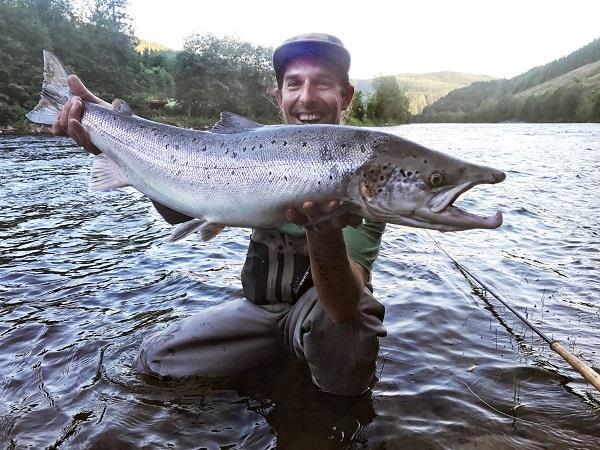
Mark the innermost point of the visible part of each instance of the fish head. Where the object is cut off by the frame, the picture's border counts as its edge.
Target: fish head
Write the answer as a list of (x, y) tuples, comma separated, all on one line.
[(407, 184)]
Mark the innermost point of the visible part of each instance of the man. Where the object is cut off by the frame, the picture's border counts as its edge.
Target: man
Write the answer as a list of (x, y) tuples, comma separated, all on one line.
[(307, 289)]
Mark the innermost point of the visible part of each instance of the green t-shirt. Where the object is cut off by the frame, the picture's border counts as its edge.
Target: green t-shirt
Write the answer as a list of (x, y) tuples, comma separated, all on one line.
[(363, 243)]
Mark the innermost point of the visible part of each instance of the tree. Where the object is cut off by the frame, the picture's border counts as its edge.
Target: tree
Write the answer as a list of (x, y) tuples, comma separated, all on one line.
[(388, 104), (358, 109)]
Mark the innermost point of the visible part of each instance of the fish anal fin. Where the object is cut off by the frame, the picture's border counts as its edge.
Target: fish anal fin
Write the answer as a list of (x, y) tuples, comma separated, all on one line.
[(106, 174), (206, 230), (230, 123)]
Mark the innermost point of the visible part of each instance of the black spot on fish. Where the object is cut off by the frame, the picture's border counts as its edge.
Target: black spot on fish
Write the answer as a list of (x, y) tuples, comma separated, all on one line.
[(319, 182), (164, 135), (284, 142), (270, 173), (408, 174), (343, 145), (259, 145), (253, 147), (379, 190), (222, 144), (402, 172), (215, 166), (204, 148), (273, 141), (304, 144), (140, 126), (244, 149), (153, 129), (365, 175), (194, 140), (232, 172), (285, 177), (331, 177), (234, 155), (424, 161), (167, 146), (362, 149)]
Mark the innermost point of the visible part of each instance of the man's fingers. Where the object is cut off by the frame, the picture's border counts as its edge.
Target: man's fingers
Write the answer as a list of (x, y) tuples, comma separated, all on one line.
[(78, 88), (354, 220), (294, 216), (63, 117), (81, 137), (76, 109)]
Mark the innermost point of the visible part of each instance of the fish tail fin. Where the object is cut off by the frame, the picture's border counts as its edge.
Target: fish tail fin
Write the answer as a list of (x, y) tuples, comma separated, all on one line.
[(55, 91)]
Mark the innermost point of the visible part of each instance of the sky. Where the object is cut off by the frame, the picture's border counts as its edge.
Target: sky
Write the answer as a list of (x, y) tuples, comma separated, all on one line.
[(501, 38)]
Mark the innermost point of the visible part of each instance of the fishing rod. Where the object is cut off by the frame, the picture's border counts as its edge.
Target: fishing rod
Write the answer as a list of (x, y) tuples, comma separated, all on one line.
[(586, 371)]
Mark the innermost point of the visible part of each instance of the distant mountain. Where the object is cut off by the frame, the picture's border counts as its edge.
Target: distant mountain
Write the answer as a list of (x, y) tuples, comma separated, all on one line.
[(564, 90), (425, 88)]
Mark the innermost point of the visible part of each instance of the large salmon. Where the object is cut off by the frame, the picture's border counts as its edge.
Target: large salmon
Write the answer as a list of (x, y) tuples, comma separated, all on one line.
[(242, 173)]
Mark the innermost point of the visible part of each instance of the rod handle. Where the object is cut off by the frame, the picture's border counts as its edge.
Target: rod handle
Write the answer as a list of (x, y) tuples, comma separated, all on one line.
[(586, 371)]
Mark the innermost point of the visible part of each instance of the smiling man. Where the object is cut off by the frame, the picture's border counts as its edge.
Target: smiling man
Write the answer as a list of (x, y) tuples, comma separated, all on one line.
[(306, 289)]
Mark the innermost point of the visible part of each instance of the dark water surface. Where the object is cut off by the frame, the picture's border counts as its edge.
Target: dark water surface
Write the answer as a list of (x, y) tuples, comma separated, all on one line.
[(84, 276)]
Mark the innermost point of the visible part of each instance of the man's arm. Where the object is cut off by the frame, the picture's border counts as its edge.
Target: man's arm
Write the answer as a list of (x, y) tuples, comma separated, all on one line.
[(338, 279)]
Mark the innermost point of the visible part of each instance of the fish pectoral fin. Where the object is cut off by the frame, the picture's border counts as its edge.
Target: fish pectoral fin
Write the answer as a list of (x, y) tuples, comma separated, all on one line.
[(346, 206), (230, 123), (106, 174), (121, 106), (206, 230)]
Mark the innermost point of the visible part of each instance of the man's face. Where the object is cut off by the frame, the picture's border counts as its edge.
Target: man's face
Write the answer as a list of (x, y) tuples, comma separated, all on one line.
[(312, 92)]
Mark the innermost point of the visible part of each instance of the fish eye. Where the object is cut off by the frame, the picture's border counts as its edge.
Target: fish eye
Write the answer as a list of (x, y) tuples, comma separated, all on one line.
[(436, 179)]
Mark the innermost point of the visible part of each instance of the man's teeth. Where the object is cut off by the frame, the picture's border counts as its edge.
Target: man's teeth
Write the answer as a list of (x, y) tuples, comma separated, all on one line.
[(309, 116)]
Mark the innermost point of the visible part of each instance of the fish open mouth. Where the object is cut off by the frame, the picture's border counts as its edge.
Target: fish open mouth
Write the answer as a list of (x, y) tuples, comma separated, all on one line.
[(443, 211)]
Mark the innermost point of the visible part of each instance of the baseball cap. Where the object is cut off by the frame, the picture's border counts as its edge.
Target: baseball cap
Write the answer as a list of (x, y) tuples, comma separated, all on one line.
[(320, 44)]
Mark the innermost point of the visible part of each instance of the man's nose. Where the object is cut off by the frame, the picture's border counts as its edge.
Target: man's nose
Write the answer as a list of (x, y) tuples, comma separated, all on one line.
[(307, 94)]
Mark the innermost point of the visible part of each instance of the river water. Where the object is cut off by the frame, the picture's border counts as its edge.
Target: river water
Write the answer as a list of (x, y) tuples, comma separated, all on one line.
[(84, 276)]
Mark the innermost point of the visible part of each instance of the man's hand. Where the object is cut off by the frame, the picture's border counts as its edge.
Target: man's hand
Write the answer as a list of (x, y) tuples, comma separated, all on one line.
[(69, 119), (327, 217)]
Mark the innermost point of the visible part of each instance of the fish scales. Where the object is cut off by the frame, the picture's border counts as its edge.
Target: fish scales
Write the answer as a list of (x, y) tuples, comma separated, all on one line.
[(216, 175)]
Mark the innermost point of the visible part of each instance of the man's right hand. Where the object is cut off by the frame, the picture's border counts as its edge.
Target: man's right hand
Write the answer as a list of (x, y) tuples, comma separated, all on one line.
[(69, 118)]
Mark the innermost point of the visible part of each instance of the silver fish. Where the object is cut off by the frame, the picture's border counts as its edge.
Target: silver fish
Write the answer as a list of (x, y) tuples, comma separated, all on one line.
[(242, 173)]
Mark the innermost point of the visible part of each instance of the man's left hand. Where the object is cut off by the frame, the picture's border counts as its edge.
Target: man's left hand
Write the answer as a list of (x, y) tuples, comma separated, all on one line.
[(326, 217)]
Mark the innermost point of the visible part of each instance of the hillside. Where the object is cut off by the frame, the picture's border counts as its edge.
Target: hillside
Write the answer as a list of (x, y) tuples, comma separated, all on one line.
[(564, 90), (424, 89)]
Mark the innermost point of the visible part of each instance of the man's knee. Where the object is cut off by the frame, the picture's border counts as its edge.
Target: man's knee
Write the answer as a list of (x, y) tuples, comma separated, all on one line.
[(342, 357)]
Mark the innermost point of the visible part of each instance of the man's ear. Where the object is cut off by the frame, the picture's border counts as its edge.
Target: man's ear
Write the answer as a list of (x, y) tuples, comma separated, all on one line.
[(347, 96)]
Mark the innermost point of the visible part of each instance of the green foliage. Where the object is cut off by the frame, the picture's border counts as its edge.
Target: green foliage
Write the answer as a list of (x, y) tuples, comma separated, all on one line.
[(224, 74), (357, 108), (209, 76), (596, 109), (388, 104)]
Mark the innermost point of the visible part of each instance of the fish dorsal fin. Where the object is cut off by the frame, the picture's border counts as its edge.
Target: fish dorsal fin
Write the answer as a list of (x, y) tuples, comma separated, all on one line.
[(121, 106), (230, 123)]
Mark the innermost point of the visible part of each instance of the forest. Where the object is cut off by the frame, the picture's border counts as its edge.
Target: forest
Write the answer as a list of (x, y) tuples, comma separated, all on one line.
[(189, 87), (565, 90)]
